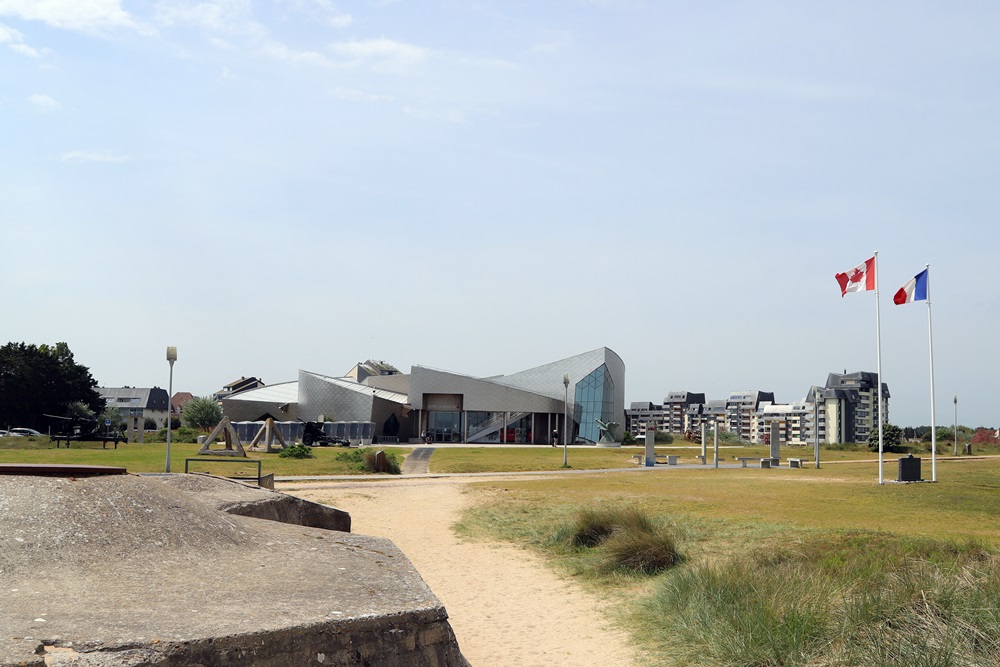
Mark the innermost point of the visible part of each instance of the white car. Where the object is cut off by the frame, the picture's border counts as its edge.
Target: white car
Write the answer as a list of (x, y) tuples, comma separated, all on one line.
[(23, 431)]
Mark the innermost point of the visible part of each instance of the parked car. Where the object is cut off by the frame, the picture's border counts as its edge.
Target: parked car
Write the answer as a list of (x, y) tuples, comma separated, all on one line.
[(23, 431)]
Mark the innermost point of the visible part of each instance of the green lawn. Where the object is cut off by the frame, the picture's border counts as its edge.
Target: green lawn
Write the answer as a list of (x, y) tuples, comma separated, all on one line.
[(151, 457)]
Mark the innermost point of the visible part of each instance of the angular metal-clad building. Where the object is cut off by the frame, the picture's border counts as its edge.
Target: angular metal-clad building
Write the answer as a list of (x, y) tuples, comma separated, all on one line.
[(442, 406), (524, 407)]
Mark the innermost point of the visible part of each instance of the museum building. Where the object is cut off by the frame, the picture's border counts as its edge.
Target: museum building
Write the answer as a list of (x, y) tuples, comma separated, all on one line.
[(443, 406)]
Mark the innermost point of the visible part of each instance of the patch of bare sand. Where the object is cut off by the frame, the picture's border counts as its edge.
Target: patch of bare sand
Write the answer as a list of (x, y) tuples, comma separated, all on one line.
[(505, 605)]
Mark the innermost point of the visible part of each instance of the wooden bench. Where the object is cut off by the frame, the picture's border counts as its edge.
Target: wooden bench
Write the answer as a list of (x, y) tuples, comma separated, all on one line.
[(796, 463), (744, 459)]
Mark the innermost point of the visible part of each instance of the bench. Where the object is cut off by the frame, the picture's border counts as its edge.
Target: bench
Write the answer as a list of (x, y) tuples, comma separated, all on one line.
[(796, 463), (669, 459), (765, 463), (701, 458), (744, 459)]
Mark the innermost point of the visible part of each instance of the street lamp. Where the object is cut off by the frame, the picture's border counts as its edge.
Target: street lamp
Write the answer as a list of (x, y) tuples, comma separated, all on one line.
[(956, 425), (566, 426), (816, 424), (171, 358)]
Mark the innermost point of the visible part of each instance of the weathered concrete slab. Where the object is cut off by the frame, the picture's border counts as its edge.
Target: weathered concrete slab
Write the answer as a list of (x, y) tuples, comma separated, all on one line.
[(238, 498), (129, 571)]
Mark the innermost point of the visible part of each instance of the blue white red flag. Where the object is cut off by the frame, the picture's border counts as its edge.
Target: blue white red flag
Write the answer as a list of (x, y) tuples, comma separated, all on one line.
[(859, 279), (914, 290)]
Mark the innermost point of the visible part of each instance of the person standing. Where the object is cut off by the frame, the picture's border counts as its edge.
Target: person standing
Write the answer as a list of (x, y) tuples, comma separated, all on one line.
[(555, 438)]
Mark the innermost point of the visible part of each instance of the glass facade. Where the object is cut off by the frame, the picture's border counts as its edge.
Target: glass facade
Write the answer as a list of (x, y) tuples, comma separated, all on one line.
[(594, 399), (444, 426)]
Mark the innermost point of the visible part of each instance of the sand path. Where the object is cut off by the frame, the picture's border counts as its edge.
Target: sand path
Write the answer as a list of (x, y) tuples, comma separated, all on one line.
[(505, 605)]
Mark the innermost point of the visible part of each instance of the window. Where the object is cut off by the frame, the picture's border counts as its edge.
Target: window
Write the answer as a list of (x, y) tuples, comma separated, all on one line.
[(594, 399)]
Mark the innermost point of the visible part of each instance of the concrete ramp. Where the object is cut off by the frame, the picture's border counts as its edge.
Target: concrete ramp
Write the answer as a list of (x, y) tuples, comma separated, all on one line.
[(128, 571)]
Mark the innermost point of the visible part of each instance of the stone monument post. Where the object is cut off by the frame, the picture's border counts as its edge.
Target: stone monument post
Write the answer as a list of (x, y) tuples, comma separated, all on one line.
[(650, 448)]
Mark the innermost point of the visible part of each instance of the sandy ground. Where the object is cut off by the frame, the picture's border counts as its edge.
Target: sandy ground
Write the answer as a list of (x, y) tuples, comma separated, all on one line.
[(505, 605)]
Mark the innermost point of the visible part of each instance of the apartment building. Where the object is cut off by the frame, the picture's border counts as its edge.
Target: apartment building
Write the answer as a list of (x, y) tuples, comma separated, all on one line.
[(643, 416), (741, 413), (846, 409), (675, 408)]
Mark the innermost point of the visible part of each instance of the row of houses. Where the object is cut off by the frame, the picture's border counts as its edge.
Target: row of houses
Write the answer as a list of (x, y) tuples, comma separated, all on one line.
[(845, 409)]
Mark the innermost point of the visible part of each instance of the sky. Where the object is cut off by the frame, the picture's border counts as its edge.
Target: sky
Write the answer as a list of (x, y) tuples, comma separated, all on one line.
[(484, 186)]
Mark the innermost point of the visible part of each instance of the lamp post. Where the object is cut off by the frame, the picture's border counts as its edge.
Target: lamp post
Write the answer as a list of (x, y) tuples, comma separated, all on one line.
[(956, 425), (566, 427), (171, 358), (816, 425)]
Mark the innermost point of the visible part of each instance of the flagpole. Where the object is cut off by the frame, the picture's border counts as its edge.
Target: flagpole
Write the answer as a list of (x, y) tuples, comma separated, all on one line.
[(878, 364), (930, 347)]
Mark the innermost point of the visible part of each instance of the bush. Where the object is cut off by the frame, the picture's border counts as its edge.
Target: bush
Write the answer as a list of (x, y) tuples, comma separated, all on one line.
[(201, 412), (628, 438), (296, 452), (364, 461), (183, 434), (663, 438), (892, 438), (627, 539)]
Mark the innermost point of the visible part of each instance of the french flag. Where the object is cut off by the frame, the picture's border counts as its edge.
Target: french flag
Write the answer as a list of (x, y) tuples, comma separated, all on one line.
[(914, 290)]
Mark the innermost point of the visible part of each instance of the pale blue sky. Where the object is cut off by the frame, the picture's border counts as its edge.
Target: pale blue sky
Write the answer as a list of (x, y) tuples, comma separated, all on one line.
[(486, 186)]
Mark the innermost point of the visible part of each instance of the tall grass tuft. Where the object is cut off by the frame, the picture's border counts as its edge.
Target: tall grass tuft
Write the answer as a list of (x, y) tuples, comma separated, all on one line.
[(624, 540)]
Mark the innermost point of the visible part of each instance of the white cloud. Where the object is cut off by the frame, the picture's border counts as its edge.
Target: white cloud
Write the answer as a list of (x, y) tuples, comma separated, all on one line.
[(71, 14), (359, 95), (381, 53), (341, 20), (230, 16), (281, 52), (8, 34), (43, 102), (81, 157), (15, 42), (26, 50)]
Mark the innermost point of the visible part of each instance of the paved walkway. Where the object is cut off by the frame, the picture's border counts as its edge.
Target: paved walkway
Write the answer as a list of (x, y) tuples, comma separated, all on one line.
[(416, 462)]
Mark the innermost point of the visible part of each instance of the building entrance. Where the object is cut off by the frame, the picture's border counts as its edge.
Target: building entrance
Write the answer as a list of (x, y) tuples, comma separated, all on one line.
[(444, 426)]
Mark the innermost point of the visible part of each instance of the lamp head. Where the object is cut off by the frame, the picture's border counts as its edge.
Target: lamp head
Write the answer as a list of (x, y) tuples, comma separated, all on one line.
[(565, 379), (171, 354)]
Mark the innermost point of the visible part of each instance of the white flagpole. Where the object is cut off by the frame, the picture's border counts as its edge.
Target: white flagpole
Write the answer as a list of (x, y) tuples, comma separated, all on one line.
[(878, 364), (930, 347)]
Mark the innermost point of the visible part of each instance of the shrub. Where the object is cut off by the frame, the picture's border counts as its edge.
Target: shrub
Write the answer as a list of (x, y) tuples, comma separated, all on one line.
[(663, 438), (364, 461), (628, 438), (296, 452), (183, 434), (641, 552), (627, 540)]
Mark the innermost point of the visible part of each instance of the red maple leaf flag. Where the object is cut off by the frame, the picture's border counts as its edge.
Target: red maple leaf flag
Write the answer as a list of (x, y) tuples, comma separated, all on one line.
[(859, 279)]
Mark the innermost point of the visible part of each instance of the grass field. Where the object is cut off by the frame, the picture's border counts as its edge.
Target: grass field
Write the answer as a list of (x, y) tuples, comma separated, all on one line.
[(151, 457), (773, 567), (785, 567)]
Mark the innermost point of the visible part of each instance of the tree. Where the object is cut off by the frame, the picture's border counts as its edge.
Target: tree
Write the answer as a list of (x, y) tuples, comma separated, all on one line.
[(201, 412), (36, 380), (892, 438)]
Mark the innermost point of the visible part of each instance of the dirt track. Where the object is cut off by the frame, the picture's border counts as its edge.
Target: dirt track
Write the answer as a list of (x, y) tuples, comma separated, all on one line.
[(506, 606)]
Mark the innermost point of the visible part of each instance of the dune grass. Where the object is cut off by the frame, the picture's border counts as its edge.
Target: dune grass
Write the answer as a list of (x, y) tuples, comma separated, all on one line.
[(820, 568)]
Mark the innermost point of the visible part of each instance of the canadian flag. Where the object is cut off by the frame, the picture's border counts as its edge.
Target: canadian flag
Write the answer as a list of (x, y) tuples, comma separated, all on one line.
[(859, 279)]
